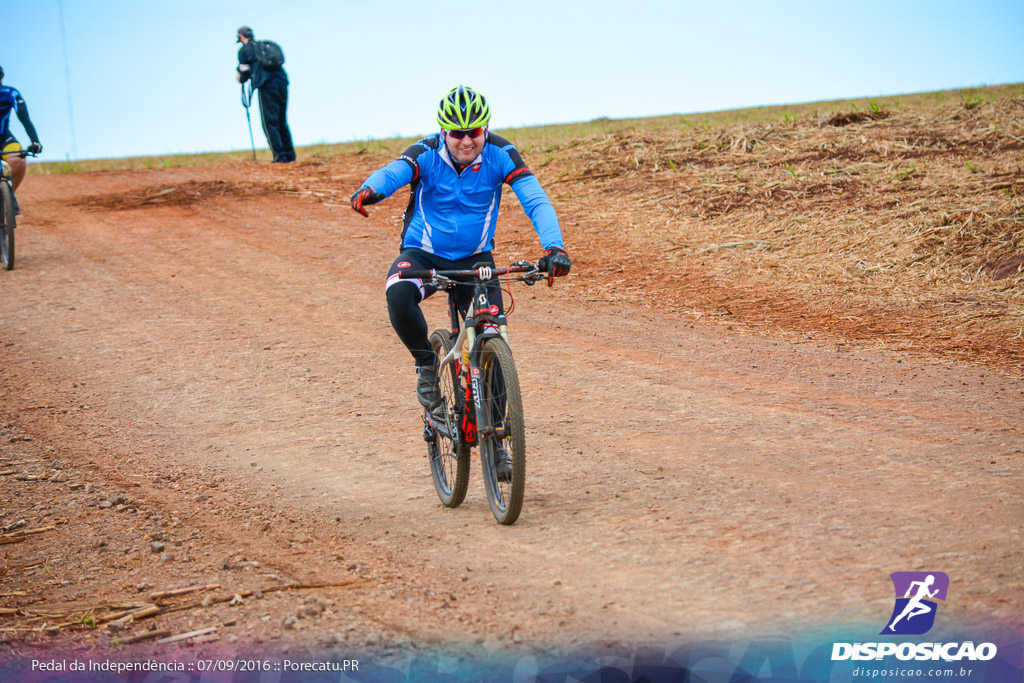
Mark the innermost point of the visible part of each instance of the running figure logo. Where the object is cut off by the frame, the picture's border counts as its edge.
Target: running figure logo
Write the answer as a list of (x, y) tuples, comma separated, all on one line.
[(916, 596)]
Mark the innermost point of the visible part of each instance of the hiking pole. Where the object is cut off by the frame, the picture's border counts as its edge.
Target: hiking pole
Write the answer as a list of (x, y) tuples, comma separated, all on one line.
[(246, 101)]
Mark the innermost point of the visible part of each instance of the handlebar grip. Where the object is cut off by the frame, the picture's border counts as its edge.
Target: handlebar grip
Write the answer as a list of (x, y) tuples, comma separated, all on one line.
[(415, 274)]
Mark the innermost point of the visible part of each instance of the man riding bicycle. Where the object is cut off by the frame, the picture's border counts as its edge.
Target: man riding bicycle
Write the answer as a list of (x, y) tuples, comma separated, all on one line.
[(456, 178), (12, 101)]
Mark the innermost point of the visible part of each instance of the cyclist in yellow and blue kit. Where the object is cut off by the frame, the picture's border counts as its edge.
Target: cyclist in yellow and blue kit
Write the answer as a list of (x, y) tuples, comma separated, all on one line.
[(455, 178), (11, 101)]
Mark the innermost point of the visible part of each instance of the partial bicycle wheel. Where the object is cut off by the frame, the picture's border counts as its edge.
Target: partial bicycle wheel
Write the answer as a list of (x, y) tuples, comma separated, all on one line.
[(449, 458), (504, 481), (7, 225)]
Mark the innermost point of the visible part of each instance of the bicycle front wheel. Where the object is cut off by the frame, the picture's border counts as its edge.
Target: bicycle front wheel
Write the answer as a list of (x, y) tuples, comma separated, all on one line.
[(7, 226), (449, 458), (506, 440)]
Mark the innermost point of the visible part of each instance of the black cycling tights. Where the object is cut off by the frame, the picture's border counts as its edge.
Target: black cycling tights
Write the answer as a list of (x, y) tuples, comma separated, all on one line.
[(404, 297), (408, 321)]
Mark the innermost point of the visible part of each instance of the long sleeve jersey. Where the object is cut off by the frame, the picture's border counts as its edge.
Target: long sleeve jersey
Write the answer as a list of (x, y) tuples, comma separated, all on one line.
[(454, 215), (12, 101)]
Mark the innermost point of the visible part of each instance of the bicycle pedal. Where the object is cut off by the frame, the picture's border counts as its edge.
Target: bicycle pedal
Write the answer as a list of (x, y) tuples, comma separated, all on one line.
[(429, 433)]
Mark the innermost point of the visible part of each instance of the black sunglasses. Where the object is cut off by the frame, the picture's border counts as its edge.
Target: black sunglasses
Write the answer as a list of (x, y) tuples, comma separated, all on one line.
[(472, 132)]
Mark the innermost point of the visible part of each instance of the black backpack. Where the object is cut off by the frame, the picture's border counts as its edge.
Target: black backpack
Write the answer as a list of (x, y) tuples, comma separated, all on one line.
[(269, 55)]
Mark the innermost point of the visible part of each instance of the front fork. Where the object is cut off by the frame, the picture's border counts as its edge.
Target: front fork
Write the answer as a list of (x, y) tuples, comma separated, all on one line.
[(484, 422), (474, 418)]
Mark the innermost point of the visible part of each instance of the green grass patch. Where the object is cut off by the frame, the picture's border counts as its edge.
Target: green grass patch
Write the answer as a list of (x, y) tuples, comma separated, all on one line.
[(908, 171), (970, 101)]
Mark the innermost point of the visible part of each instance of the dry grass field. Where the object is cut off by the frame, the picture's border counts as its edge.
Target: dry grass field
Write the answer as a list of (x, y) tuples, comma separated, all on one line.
[(900, 228)]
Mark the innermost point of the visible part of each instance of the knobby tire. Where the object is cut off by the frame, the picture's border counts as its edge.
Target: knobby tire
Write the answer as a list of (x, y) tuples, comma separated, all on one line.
[(7, 227), (449, 464), (501, 396)]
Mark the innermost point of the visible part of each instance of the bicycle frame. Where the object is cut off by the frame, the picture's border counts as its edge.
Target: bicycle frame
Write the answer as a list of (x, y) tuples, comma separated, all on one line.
[(467, 350), (481, 312), (466, 338), (7, 229)]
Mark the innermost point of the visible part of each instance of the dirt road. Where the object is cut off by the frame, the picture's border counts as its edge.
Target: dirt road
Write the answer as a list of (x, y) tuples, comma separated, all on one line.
[(221, 376)]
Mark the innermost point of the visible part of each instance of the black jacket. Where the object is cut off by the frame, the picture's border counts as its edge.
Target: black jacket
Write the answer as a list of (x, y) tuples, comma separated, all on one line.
[(255, 72)]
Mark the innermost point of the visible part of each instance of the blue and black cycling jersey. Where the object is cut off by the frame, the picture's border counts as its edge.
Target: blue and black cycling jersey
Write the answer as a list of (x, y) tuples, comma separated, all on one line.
[(12, 101), (453, 214)]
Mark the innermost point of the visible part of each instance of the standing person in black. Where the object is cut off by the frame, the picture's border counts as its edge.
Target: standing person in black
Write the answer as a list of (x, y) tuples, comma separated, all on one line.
[(272, 85)]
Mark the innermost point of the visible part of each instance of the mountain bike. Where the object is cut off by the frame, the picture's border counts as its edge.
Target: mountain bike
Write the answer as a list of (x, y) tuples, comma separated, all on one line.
[(7, 219), (481, 404)]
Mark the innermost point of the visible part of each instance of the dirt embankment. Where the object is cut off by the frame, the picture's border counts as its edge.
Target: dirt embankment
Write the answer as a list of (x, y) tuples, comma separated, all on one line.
[(900, 230)]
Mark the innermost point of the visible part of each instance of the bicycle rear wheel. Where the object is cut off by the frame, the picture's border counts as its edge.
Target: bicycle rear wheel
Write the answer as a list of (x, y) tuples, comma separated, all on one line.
[(449, 460), (503, 401), (6, 225)]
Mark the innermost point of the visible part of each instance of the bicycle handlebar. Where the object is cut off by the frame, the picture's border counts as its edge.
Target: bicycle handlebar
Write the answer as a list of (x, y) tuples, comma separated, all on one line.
[(530, 273), (18, 153), (417, 274)]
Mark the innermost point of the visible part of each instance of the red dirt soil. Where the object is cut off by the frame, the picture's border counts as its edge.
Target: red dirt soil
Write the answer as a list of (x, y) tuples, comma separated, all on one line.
[(212, 369)]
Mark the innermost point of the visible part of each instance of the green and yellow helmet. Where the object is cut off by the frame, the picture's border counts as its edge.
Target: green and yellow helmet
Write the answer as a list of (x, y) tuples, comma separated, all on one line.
[(463, 108)]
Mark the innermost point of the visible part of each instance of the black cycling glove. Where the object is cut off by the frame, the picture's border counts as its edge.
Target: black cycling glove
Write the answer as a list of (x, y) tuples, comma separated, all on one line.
[(365, 195), (35, 148), (556, 262)]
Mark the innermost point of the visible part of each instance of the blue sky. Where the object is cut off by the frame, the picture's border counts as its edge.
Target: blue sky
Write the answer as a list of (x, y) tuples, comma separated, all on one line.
[(157, 76)]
